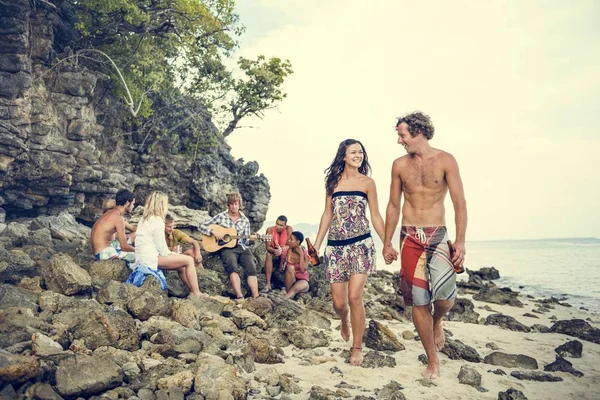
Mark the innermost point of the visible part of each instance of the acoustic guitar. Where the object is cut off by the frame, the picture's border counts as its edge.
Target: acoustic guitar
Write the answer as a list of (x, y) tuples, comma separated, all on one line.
[(230, 238)]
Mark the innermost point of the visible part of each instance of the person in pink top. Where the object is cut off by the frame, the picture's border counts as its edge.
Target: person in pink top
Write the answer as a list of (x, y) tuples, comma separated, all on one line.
[(280, 234), (294, 261)]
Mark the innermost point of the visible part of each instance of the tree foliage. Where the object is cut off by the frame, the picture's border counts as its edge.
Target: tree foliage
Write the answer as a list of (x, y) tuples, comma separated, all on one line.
[(182, 45)]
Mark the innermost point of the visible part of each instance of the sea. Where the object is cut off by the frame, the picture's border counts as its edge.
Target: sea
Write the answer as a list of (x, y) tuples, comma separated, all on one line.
[(565, 268)]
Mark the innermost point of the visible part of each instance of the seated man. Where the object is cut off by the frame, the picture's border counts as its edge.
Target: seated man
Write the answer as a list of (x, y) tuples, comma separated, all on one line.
[(240, 254), (174, 237), (111, 223), (280, 234)]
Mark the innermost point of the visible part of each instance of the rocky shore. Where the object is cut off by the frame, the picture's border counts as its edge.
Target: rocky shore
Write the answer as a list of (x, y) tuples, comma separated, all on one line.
[(70, 328)]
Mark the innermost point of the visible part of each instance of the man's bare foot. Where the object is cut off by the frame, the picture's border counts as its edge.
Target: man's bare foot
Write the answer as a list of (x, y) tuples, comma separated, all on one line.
[(356, 356), (439, 336), (432, 371), (345, 329)]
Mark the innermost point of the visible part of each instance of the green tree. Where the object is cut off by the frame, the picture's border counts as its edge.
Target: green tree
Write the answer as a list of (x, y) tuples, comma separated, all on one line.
[(161, 45)]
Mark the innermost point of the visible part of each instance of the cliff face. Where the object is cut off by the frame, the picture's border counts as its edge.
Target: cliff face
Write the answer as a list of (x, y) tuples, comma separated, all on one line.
[(60, 130)]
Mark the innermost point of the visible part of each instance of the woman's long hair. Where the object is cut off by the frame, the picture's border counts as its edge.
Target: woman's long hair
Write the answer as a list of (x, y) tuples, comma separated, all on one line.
[(156, 205), (334, 172)]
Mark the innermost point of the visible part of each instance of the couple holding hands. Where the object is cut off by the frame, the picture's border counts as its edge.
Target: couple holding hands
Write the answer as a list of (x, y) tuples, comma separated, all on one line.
[(428, 279)]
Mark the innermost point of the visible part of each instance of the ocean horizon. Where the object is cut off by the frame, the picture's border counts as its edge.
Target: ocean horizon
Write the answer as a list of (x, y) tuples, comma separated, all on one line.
[(567, 268)]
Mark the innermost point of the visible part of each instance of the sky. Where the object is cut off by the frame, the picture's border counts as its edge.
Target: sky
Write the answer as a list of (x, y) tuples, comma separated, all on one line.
[(513, 90)]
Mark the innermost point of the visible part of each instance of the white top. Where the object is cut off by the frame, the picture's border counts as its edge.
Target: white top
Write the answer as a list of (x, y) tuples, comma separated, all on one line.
[(150, 242)]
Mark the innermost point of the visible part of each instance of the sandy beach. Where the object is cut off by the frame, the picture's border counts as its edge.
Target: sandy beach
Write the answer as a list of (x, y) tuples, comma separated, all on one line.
[(540, 346)]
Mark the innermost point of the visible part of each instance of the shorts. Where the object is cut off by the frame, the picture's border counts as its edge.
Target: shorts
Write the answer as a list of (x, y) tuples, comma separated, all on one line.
[(112, 251), (343, 261), (238, 256), (427, 273)]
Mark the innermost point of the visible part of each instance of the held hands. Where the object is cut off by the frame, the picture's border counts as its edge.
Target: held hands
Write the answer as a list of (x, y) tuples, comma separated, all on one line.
[(389, 254), (197, 257)]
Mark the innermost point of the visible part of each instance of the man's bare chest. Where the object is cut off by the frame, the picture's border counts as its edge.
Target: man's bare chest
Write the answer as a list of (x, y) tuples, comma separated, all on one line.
[(418, 176)]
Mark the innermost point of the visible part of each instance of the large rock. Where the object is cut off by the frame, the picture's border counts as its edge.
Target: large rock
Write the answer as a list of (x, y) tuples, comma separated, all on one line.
[(98, 328), (105, 271), (578, 328), (457, 350), (469, 376), (511, 394), (17, 324), (463, 310), (15, 264), (560, 364), (572, 348), (84, 375), (11, 296), (506, 322), (17, 368), (148, 304), (62, 275), (498, 296), (535, 376), (511, 360), (380, 337), (485, 273), (217, 380)]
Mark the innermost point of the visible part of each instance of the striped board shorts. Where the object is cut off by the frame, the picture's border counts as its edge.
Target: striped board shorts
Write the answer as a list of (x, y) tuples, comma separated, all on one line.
[(427, 273)]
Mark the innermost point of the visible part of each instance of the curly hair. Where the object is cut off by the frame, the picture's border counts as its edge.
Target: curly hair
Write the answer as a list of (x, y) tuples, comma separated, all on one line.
[(417, 122), (334, 172)]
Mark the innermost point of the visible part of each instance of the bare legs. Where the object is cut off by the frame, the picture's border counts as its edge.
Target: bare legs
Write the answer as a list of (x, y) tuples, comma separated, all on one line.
[(292, 285), (268, 271), (431, 332), (236, 283), (184, 265), (351, 293)]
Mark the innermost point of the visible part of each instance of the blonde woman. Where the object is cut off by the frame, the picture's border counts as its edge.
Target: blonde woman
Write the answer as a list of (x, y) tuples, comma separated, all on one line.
[(151, 250)]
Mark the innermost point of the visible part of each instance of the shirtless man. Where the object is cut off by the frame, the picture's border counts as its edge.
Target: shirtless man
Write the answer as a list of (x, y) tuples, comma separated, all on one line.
[(110, 223), (427, 276)]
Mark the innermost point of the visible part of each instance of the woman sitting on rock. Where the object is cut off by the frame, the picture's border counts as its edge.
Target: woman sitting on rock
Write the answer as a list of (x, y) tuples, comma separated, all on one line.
[(294, 261), (151, 251)]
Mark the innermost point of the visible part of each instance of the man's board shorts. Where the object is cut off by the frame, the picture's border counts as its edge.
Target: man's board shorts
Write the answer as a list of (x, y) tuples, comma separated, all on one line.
[(114, 251), (427, 273)]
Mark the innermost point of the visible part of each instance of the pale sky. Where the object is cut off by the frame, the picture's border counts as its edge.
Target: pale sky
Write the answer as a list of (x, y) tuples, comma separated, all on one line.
[(512, 87)]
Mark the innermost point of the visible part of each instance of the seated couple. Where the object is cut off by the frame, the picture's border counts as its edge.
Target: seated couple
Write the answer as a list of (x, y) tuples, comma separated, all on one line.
[(152, 254)]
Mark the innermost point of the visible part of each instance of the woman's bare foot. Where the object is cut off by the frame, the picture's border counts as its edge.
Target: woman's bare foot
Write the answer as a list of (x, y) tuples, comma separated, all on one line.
[(439, 336), (356, 356), (199, 294), (345, 329), (432, 371)]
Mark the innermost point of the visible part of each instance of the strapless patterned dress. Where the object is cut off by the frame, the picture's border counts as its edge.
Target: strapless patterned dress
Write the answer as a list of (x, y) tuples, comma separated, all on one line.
[(350, 249)]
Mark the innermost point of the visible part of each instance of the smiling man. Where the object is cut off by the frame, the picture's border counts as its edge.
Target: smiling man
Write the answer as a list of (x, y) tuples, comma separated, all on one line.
[(427, 277)]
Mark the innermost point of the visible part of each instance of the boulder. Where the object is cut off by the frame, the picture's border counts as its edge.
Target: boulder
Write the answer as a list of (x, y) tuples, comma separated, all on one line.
[(380, 337), (463, 310), (511, 360), (16, 368), (469, 376), (572, 348), (506, 322), (216, 380), (62, 275), (83, 375), (579, 328)]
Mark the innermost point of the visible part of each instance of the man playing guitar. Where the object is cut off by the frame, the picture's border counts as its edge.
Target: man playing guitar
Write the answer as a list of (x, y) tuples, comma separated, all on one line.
[(240, 254)]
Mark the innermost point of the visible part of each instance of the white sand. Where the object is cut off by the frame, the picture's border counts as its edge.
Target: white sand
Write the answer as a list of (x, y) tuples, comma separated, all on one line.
[(407, 372)]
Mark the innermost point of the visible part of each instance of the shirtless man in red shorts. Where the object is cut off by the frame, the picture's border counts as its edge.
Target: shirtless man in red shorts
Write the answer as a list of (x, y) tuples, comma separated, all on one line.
[(428, 280)]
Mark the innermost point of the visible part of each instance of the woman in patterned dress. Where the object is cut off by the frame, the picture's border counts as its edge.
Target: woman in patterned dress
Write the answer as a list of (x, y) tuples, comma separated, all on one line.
[(350, 253)]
